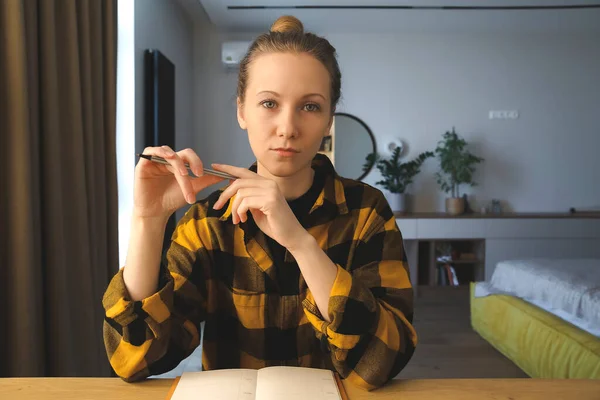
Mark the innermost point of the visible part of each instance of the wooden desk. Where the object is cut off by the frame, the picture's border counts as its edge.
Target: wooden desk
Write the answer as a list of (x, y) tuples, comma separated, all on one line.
[(430, 389)]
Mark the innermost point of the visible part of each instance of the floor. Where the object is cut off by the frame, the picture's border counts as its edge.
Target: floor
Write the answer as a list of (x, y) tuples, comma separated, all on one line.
[(448, 347)]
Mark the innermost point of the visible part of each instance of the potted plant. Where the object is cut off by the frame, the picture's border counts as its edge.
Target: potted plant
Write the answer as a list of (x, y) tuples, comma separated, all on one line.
[(397, 175), (457, 166)]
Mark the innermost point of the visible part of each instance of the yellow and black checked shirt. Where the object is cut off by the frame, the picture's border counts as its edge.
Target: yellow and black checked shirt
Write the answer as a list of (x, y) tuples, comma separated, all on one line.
[(258, 314)]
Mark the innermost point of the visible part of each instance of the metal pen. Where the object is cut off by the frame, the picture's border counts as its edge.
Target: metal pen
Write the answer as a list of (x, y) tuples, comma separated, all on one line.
[(209, 171)]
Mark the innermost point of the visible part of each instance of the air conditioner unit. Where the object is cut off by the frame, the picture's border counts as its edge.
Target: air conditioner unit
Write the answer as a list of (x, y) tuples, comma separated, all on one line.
[(232, 53)]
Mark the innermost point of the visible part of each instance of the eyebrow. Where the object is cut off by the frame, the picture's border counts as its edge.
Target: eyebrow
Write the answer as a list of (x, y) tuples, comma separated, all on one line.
[(277, 94)]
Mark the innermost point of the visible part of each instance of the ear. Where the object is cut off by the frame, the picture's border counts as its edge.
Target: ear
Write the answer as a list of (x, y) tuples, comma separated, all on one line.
[(328, 132), (240, 114)]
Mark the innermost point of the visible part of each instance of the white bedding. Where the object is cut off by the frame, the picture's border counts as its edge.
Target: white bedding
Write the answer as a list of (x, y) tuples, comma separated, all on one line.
[(568, 288)]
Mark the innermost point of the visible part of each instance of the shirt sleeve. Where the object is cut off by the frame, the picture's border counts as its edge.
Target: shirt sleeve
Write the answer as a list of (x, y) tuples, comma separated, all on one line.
[(154, 335), (370, 337)]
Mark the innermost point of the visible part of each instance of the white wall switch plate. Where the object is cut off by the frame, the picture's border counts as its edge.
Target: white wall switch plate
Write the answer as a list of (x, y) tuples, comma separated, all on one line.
[(503, 114)]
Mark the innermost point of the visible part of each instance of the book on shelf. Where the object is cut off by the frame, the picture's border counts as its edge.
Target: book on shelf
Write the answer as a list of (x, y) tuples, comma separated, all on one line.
[(464, 258), (447, 275), (270, 383)]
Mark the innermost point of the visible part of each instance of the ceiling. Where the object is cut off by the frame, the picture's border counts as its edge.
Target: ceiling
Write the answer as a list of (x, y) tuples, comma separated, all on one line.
[(389, 16)]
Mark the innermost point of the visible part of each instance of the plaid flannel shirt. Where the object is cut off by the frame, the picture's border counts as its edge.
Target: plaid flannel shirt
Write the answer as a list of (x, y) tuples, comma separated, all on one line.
[(258, 314)]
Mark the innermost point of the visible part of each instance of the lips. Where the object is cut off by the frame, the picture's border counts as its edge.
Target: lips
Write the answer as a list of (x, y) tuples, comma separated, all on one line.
[(285, 151)]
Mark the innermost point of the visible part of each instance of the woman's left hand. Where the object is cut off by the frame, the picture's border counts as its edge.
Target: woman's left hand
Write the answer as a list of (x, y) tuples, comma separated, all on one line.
[(262, 197)]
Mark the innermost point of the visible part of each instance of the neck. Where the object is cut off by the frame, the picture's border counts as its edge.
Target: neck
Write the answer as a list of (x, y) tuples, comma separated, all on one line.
[(292, 186)]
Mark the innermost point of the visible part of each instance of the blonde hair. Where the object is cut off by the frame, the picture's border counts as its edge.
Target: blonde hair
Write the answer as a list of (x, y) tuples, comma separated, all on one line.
[(287, 36)]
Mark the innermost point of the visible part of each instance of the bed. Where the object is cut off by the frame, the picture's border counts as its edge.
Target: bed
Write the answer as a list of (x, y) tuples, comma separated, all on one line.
[(543, 314)]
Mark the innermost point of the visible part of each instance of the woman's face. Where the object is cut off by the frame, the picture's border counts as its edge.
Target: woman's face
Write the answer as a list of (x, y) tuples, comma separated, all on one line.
[(286, 111)]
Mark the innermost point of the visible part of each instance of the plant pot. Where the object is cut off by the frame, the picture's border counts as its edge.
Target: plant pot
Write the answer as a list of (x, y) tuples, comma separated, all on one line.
[(398, 202), (455, 205)]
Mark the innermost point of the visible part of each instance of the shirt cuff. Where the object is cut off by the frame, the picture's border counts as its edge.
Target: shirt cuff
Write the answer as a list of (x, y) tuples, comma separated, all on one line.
[(154, 309), (340, 292)]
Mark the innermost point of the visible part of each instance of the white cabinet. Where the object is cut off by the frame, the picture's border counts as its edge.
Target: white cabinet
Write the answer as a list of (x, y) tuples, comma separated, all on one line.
[(551, 228), (451, 228), (506, 238), (408, 227)]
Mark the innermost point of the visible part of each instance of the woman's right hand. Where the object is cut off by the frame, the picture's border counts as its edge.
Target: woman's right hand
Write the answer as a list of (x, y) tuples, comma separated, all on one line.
[(160, 190)]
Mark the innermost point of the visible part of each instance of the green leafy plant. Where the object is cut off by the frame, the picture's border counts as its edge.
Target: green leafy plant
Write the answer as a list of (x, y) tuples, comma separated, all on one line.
[(457, 164), (397, 175)]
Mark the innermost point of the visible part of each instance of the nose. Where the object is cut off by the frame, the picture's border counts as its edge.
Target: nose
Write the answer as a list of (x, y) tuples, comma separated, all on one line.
[(287, 124)]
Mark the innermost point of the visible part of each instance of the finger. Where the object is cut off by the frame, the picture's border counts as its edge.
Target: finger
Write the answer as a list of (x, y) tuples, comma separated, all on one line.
[(174, 161), (156, 151), (182, 176), (187, 188), (236, 186), (190, 157), (171, 166), (204, 181), (236, 203), (236, 171), (175, 166), (161, 151), (227, 193), (239, 198), (193, 160), (247, 204), (236, 213)]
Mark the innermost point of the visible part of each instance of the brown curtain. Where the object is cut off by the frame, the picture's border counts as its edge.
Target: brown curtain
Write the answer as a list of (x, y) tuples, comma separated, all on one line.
[(58, 200)]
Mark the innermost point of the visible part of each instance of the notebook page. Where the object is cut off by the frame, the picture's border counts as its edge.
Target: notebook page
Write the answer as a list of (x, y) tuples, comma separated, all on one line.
[(296, 383), (224, 384)]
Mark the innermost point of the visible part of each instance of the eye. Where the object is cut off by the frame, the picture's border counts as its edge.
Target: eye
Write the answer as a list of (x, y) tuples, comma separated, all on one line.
[(268, 103), (312, 107)]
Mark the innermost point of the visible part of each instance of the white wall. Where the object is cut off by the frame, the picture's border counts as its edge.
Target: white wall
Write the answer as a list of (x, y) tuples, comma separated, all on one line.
[(125, 122), (156, 24), (218, 137), (164, 25), (418, 86)]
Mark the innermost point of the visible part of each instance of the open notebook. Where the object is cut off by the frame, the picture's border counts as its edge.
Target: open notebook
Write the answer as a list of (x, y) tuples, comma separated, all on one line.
[(270, 383)]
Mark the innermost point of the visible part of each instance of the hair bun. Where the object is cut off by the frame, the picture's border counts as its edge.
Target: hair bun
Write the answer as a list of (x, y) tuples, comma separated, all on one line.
[(287, 24)]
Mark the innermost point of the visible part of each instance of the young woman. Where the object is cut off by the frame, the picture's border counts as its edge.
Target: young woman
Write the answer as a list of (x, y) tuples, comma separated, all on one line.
[(290, 264)]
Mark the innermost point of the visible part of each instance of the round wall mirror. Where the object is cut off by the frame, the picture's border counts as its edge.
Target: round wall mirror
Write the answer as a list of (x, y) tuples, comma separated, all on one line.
[(353, 142)]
